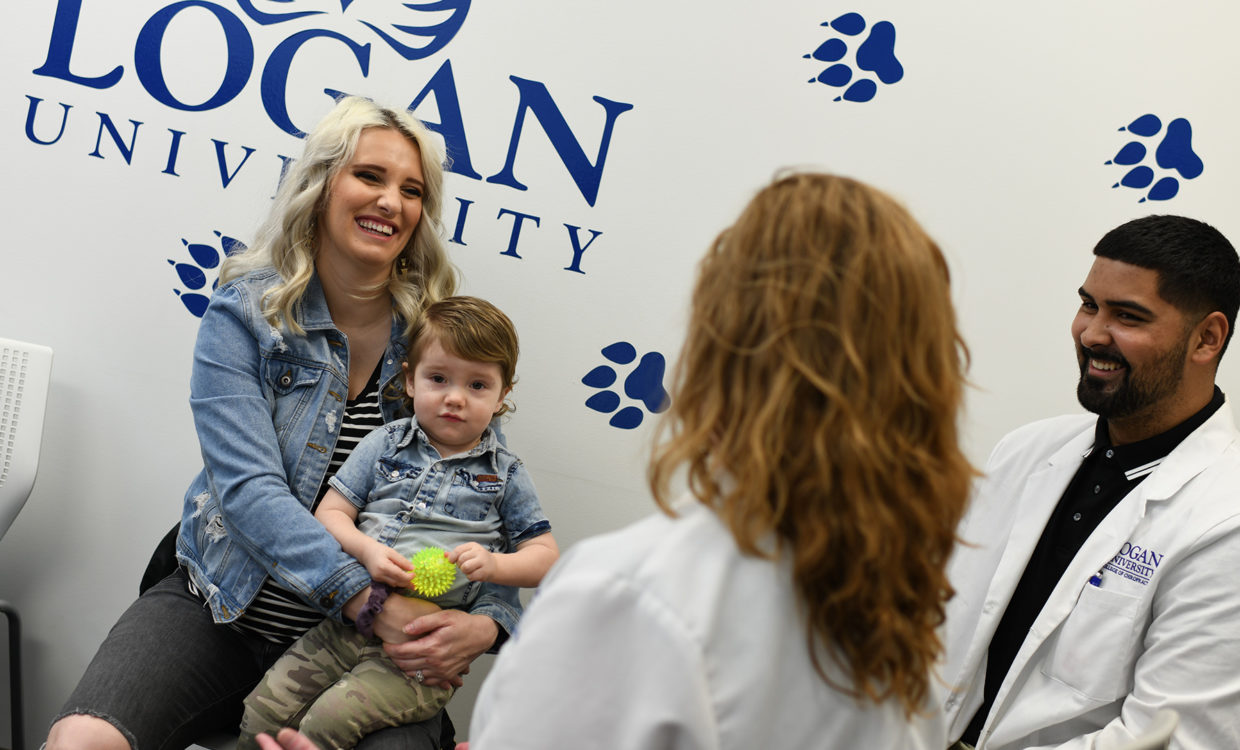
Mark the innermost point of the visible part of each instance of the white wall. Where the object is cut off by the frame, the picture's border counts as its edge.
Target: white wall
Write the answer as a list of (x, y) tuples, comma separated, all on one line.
[(996, 137)]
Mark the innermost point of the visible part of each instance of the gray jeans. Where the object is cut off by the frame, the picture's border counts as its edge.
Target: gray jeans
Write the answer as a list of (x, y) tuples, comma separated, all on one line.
[(167, 674)]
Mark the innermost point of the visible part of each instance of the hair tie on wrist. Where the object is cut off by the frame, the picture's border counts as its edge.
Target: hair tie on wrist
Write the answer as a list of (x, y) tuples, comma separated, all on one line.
[(365, 621)]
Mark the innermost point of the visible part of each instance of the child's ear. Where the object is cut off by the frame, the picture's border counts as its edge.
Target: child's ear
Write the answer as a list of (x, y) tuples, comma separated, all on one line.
[(408, 378), (503, 396)]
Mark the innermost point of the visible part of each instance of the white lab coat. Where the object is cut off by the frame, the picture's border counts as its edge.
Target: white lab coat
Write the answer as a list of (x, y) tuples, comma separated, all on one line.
[(662, 635), (1161, 630)]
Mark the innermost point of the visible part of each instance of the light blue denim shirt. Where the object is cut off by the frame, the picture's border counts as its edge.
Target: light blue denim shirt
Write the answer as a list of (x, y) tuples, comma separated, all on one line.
[(266, 405), (411, 498)]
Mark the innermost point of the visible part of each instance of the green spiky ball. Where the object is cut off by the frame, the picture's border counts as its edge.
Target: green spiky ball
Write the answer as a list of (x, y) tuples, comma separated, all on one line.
[(432, 573)]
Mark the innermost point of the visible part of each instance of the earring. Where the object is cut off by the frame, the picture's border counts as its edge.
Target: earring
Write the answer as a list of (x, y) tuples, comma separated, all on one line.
[(402, 266)]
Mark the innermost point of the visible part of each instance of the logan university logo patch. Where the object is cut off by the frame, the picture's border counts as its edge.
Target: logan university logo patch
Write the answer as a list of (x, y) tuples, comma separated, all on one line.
[(1134, 563)]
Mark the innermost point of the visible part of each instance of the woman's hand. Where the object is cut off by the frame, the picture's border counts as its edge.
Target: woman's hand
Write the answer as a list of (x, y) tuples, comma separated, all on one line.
[(442, 646), (397, 613)]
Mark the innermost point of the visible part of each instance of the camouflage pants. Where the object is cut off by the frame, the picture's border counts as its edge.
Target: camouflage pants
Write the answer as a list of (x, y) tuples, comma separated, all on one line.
[(336, 686)]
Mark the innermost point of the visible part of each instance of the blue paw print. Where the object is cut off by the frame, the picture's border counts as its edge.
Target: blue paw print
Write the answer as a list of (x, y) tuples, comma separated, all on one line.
[(1174, 152), (194, 277), (875, 55), (644, 385)]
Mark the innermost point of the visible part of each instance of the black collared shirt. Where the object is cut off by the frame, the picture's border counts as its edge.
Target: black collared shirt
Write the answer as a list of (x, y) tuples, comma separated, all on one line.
[(1107, 474)]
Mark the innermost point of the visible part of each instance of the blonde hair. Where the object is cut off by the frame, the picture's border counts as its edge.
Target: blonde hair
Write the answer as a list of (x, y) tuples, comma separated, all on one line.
[(815, 404), (286, 240), (470, 328)]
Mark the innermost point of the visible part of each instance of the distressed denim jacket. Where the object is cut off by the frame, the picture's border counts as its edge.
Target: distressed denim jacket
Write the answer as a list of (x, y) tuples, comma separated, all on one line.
[(266, 405)]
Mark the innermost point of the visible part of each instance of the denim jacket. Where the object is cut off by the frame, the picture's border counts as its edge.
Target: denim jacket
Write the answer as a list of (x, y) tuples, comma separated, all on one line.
[(410, 498), (266, 405)]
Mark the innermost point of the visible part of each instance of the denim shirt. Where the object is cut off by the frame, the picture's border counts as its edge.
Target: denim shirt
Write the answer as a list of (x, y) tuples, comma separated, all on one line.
[(266, 405), (411, 498)]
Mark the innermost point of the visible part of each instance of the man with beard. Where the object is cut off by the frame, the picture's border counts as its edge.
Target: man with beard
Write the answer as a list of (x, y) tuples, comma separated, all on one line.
[(1095, 574)]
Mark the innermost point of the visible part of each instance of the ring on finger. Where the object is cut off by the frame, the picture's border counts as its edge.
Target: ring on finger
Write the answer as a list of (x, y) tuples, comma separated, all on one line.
[(419, 676)]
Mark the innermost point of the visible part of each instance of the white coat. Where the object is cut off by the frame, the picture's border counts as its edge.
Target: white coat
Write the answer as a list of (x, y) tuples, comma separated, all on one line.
[(662, 635), (1162, 629)]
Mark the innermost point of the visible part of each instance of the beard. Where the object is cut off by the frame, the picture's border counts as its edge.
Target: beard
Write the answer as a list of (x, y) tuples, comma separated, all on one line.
[(1137, 390)]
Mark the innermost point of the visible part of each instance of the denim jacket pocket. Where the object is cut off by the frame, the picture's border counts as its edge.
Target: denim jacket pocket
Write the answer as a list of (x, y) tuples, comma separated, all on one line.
[(473, 496), (391, 492), (294, 385), (391, 470)]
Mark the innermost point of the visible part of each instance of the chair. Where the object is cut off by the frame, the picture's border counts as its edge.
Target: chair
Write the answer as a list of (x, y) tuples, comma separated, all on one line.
[(25, 373), (1157, 736)]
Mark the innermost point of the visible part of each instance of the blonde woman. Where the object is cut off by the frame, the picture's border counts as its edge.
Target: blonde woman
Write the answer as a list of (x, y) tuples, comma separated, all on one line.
[(295, 351), (791, 598)]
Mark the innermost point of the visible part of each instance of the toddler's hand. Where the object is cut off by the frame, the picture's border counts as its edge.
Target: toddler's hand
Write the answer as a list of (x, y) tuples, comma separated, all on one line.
[(386, 565), (474, 560)]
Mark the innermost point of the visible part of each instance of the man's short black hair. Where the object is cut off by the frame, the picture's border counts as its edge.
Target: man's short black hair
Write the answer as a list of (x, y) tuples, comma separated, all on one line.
[(1198, 270)]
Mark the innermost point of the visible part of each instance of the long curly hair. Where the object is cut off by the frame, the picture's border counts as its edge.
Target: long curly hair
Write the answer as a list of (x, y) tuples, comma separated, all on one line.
[(815, 410), (287, 241)]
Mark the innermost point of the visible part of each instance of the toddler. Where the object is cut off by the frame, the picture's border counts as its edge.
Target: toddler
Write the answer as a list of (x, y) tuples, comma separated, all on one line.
[(438, 479)]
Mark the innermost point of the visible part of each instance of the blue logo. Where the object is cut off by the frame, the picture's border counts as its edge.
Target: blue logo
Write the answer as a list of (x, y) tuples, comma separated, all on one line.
[(1135, 563), (412, 42), (413, 35), (194, 275), (875, 54), (644, 385), (1172, 155)]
